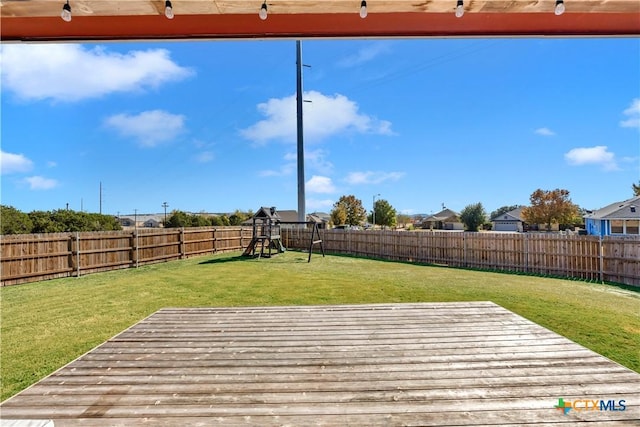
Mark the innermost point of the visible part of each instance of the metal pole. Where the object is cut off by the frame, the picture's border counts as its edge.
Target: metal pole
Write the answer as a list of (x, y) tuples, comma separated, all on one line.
[(301, 196), (373, 210), (165, 205)]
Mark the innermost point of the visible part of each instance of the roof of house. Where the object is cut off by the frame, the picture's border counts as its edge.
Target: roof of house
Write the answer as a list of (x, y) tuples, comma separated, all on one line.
[(319, 217), (141, 218), (513, 215), (443, 215), (288, 215), (627, 209)]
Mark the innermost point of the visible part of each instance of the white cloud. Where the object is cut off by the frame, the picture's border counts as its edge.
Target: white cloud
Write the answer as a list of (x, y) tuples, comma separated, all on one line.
[(312, 205), (150, 128), (320, 184), (205, 157), (634, 115), (71, 72), (366, 54), (41, 183), (369, 177), (317, 160), (288, 168), (545, 132), (598, 155), (14, 163), (285, 170), (51, 164), (324, 116)]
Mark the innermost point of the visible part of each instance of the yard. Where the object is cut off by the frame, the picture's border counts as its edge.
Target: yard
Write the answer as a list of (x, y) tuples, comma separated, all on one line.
[(47, 324)]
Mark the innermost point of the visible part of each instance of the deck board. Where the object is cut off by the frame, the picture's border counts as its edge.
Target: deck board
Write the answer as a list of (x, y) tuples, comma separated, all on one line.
[(441, 364)]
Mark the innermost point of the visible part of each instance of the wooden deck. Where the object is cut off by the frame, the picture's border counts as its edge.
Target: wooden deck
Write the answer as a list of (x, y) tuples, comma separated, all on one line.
[(386, 364)]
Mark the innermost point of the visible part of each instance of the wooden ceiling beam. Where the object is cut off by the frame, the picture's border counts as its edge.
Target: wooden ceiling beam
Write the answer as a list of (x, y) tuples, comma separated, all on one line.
[(380, 25)]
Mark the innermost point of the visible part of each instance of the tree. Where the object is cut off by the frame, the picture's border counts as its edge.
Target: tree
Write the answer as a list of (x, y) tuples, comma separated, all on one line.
[(197, 220), (216, 221), (224, 219), (473, 216), (14, 221), (238, 217), (338, 215), (354, 213), (636, 189), (403, 220), (385, 215), (503, 210), (178, 219), (550, 207), (43, 222)]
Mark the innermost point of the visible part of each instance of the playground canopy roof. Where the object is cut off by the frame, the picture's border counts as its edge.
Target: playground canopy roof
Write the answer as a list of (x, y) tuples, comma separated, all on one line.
[(102, 20)]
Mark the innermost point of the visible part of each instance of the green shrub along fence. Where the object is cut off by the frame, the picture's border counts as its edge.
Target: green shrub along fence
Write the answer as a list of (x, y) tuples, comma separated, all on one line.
[(34, 257)]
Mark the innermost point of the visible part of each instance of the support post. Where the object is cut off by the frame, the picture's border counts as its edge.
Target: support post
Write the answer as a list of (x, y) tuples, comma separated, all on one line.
[(301, 194)]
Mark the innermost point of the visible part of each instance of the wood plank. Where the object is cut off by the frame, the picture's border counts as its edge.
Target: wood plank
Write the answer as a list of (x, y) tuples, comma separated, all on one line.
[(383, 364)]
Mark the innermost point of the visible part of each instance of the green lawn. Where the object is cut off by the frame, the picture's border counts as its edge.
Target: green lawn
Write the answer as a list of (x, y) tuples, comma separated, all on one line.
[(47, 324)]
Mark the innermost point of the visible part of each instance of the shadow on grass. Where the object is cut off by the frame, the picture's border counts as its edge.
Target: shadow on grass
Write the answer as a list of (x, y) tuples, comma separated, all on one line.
[(238, 258), (241, 258)]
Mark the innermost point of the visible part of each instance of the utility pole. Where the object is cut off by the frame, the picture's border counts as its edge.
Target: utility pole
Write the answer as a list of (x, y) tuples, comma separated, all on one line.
[(373, 210), (165, 205), (301, 196)]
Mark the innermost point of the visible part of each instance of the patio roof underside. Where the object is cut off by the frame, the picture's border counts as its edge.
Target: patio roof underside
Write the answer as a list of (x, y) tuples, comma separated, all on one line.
[(98, 20)]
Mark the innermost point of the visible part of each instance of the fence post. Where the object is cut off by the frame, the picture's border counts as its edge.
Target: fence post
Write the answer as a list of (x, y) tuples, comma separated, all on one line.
[(526, 253), (601, 257), (464, 249), (78, 254), (214, 243), (70, 257), (134, 244), (182, 245)]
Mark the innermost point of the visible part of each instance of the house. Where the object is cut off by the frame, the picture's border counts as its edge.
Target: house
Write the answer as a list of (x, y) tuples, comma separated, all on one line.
[(509, 221), (321, 218), (620, 218), (126, 221), (151, 223), (514, 221), (141, 220), (288, 216), (446, 219)]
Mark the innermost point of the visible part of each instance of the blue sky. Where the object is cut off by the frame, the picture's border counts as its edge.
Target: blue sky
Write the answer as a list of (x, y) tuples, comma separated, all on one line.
[(210, 125)]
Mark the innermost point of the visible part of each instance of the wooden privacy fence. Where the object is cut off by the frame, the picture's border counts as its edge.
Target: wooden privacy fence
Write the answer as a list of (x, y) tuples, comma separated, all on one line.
[(612, 258), (32, 257)]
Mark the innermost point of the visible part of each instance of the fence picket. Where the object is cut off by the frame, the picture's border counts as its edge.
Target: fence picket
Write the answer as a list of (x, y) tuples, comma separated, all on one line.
[(28, 258)]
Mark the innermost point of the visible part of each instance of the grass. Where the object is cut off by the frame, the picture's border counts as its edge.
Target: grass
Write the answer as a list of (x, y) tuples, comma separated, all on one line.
[(45, 325)]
